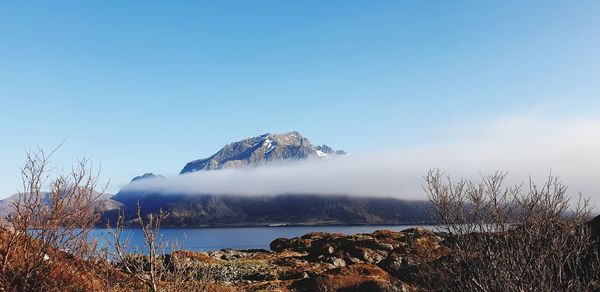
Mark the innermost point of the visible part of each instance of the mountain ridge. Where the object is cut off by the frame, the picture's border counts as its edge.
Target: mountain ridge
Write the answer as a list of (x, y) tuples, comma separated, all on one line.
[(259, 150), (264, 210)]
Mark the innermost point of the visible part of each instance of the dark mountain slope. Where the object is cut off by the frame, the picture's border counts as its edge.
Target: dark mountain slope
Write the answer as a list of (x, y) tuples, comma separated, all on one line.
[(218, 210)]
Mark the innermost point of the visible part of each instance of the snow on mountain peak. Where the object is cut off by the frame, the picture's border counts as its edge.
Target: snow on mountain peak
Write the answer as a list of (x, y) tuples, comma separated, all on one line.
[(260, 150)]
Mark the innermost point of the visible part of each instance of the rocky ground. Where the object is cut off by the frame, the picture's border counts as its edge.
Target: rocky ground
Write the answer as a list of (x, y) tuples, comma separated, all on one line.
[(379, 261)]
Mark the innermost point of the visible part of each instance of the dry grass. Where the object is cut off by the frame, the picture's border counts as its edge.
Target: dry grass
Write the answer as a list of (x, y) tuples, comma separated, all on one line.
[(347, 278)]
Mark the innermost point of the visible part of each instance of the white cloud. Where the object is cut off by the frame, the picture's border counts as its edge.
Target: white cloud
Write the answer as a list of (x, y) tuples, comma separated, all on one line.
[(522, 145)]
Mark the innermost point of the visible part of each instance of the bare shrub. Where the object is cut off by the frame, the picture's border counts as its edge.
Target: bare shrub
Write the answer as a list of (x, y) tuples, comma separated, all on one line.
[(510, 239), (44, 227), (161, 266)]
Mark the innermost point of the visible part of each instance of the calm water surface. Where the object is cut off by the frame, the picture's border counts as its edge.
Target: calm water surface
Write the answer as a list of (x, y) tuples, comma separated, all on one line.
[(204, 239)]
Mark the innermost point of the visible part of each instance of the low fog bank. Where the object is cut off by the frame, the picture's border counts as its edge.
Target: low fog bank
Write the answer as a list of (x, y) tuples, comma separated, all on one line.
[(364, 175), (522, 146)]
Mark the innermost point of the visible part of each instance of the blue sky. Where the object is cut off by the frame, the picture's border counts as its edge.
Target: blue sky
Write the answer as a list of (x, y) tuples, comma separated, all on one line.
[(145, 86)]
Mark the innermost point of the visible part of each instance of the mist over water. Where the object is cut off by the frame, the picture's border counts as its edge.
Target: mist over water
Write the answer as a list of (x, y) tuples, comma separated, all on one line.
[(523, 146)]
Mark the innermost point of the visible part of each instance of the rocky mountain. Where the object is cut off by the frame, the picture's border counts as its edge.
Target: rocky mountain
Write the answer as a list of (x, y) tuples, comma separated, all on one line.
[(145, 175), (260, 150), (104, 204), (284, 209), (6, 206)]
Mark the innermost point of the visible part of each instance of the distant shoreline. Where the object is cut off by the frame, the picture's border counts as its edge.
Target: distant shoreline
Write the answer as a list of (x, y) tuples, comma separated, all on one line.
[(423, 224)]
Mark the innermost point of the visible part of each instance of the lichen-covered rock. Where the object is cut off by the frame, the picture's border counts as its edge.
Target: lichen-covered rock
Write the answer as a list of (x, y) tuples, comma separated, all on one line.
[(379, 261), (402, 267), (229, 254), (293, 244)]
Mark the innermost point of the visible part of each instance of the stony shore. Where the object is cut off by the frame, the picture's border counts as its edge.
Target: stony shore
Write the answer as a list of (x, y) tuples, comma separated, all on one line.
[(379, 261)]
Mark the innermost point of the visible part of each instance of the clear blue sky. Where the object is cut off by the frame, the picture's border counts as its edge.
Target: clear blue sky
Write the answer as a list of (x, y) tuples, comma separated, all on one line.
[(145, 86)]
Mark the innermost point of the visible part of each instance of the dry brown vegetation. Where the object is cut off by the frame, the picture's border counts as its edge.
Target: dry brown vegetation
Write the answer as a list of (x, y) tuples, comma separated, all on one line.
[(163, 267), (349, 278), (44, 242), (47, 228), (510, 239)]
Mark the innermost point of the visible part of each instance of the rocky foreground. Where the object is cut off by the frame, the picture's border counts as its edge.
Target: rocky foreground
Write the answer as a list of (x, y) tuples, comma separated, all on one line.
[(379, 261)]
